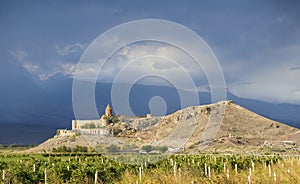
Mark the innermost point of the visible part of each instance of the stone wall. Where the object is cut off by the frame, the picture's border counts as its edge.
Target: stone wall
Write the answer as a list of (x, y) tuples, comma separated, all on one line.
[(78, 124), (90, 127), (64, 132)]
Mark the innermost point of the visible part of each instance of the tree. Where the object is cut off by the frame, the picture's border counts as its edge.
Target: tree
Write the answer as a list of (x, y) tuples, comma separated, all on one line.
[(161, 148), (147, 148), (111, 119), (80, 149)]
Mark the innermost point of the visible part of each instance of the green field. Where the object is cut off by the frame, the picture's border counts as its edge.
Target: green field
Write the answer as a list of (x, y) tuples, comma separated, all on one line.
[(85, 168)]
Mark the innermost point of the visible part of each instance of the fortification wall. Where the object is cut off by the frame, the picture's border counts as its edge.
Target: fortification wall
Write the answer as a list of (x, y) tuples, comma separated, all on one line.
[(79, 124)]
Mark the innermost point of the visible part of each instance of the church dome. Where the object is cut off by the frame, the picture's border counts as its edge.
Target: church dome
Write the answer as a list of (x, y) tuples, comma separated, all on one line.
[(108, 110)]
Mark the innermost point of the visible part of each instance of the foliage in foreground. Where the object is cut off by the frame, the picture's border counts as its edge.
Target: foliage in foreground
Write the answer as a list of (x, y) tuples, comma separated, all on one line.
[(81, 168)]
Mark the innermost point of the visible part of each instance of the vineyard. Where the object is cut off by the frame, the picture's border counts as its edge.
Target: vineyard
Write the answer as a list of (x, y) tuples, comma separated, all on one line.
[(95, 168)]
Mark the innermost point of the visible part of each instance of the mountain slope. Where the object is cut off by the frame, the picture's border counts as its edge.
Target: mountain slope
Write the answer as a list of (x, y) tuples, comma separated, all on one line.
[(189, 128), (285, 113), (238, 123), (31, 110)]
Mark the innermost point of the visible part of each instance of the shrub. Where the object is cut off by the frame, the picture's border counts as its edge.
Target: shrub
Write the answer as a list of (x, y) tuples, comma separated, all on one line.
[(113, 148), (161, 148), (148, 148), (88, 126)]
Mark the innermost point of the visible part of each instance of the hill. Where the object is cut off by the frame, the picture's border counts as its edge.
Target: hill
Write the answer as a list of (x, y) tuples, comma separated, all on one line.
[(44, 106), (238, 130)]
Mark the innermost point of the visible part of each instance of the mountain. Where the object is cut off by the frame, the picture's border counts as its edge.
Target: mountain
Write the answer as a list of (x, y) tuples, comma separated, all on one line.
[(239, 129), (31, 110), (285, 113), (191, 128), (27, 114)]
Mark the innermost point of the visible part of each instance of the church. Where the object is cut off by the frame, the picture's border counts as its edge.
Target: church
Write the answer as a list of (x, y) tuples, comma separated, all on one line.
[(98, 127)]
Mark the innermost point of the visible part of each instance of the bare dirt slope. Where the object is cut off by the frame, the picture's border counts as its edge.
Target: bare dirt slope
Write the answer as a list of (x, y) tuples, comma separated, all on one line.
[(192, 126), (239, 126), (241, 122), (57, 142)]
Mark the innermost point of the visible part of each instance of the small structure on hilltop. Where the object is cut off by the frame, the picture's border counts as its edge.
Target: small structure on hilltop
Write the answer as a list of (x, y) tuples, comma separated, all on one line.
[(108, 111), (107, 116), (109, 124), (98, 127)]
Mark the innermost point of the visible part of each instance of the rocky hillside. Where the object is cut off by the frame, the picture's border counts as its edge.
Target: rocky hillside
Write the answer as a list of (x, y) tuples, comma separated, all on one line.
[(219, 125), (229, 125)]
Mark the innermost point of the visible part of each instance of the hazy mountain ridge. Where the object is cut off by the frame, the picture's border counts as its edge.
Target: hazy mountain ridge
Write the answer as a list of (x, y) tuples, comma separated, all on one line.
[(46, 105)]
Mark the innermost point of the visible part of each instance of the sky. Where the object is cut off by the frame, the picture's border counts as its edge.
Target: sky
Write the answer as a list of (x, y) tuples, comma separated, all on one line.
[(257, 43)]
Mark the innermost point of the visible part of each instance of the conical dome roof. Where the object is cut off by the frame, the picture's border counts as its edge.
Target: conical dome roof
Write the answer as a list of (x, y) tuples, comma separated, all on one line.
[(108, 110), (108, 106)]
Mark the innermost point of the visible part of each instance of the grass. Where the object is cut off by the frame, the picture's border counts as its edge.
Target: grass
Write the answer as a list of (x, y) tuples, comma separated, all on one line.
[(173, 169), (285, 171)]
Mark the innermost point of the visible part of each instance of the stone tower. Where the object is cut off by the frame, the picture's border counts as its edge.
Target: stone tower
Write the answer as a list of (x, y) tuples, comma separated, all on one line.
[(108, 111)]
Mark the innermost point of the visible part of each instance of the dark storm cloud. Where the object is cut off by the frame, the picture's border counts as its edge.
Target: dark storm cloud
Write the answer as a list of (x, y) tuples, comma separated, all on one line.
[(250, 38)]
